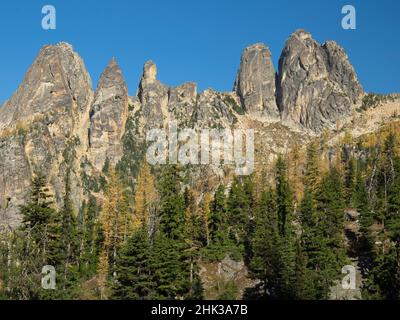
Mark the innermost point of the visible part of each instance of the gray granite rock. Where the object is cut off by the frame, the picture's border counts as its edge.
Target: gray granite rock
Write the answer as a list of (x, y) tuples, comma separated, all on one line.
[(108, 116), (43, 129), (317, 84), (255, 82)]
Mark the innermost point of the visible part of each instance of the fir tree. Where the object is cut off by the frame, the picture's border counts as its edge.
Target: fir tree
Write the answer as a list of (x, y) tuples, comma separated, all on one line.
[(171, 270), (312, 169), (238, 205), (218, 217), (134, 273), (361, 202), (264, 264), (172, 205)]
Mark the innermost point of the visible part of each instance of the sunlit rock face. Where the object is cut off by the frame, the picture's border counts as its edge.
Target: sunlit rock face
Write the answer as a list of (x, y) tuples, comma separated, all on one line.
[(316, 84), (255, 82), (108, 116)]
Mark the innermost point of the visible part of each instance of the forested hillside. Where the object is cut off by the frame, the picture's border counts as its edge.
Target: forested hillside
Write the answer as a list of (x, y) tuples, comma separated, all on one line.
[(151, 244)]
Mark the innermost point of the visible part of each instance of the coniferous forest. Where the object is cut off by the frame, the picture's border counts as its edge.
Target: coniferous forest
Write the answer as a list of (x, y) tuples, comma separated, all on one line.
[(294, 227)]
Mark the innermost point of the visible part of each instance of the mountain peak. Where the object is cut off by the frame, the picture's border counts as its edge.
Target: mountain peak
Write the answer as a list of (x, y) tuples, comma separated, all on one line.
[(149, 72), (255, 81), (301, 34), (55, 81), (316, 84)]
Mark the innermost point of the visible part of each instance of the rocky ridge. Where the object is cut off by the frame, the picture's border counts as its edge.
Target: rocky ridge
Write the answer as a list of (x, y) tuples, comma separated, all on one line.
[(56, 124)]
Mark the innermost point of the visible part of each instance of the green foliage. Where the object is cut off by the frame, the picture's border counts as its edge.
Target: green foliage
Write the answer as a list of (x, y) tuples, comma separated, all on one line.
[(135, 279), (264, 264), (134, 149), (172, 204), (228, 291), (372, 100), (218, 233), (90, 238)]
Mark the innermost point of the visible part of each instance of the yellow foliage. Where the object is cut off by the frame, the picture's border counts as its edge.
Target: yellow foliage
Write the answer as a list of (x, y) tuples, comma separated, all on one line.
[(205, 212), (145, 198), (114, 218)]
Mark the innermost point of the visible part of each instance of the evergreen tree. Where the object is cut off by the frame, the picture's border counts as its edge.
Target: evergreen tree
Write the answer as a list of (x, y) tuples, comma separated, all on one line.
[(172, 204), (218, 217), (330, 228), (287, 239), (36, 215), (284, 197), (205, 213), (134, 273), (91, 238), (264, 264), (312, 168), (170, 267), (238, 205), (315, 252), (361, 202)]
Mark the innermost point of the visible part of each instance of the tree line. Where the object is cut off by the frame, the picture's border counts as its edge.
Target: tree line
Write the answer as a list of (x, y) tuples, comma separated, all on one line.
[(151, 244)]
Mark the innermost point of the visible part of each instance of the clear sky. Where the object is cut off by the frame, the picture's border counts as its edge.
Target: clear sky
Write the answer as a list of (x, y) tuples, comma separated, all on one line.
[(199, 40)]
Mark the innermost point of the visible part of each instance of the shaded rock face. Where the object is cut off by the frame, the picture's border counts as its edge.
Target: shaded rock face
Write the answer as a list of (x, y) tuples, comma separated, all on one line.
[(317, 84), (108, 116), (255, 82), (15, 174)]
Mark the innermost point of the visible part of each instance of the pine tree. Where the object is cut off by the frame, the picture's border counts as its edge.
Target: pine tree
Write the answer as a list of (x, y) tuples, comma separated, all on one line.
[(91, 238), (218, 217), (172, 204), (264, 264), (193, 242), (393, 208), (313, 251), (170, 267), (284, 197), (69, 232), (361, 203), (28, 246), (330, 210), (238, 205), (134, 280), (37, 213), (311, 178), (287, 240)]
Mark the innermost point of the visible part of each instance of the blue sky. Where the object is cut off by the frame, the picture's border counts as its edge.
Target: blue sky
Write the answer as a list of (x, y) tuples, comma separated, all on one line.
[(197, 41)]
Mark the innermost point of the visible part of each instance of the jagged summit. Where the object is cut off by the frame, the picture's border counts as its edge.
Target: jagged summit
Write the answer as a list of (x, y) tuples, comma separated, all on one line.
[(111, 76), (316, 83), (301, 34), (56, 81), (108, 116), (55, 110), (149, 72)]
